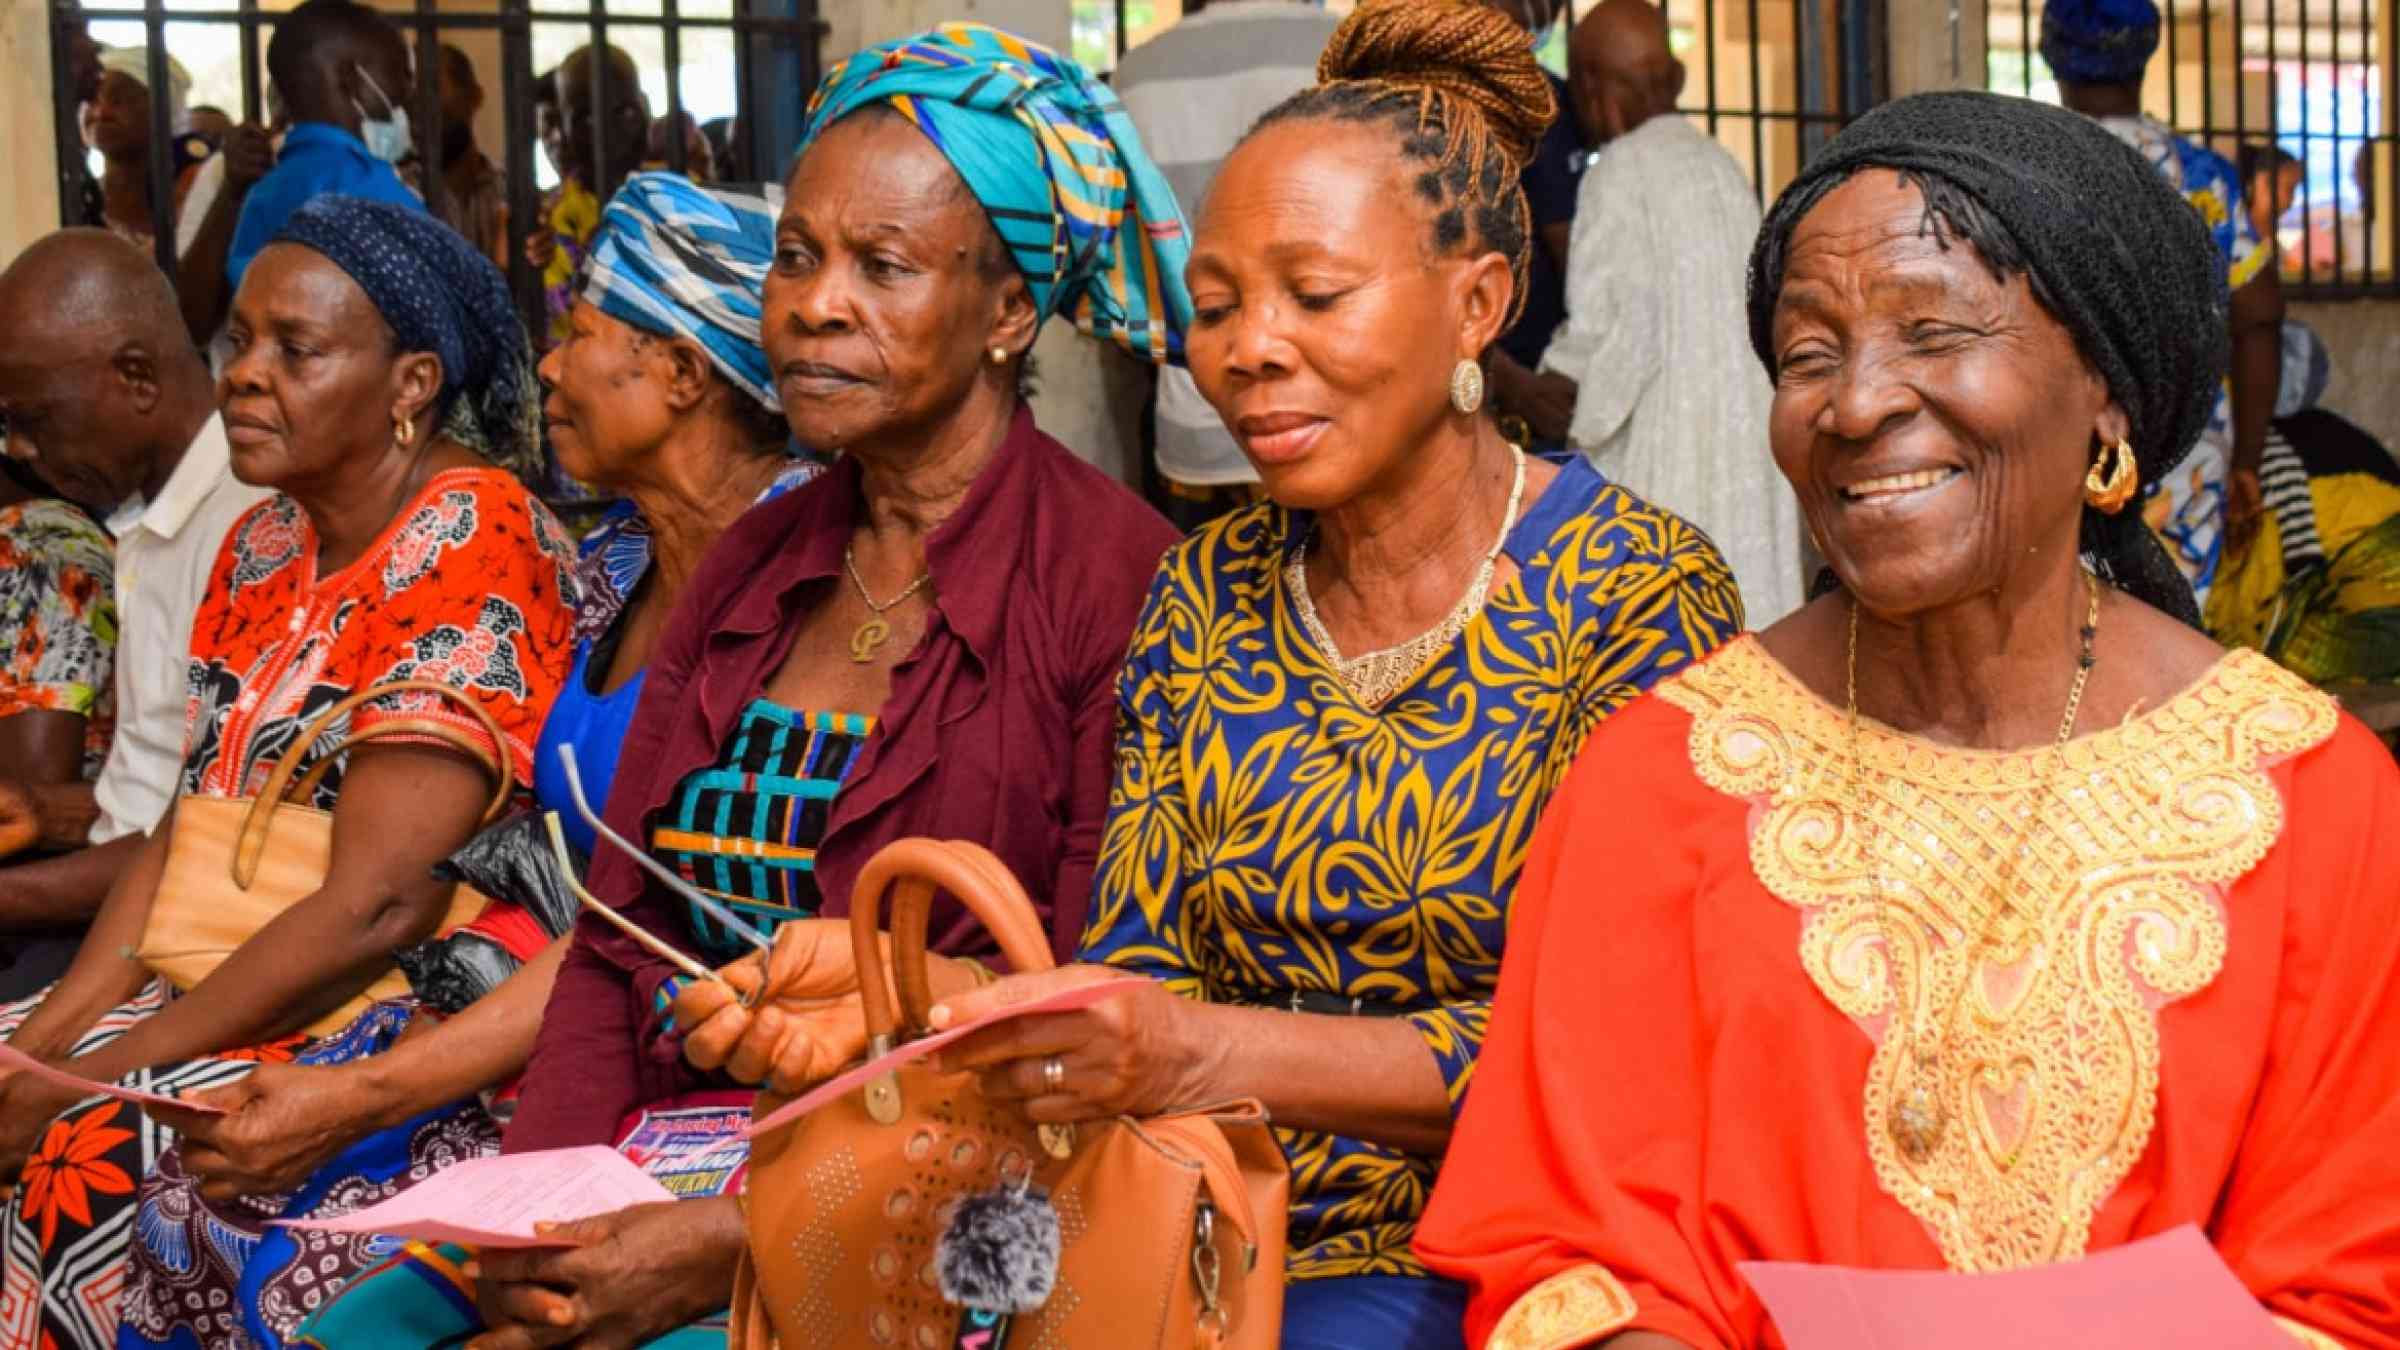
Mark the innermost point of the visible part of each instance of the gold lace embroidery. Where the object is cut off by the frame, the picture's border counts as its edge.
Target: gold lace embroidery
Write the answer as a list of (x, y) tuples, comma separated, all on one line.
[(1568, 1309), (2118, 848)]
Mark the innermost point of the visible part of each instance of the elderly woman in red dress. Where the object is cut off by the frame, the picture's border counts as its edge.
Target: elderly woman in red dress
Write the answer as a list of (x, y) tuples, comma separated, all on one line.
[(1980, 914)]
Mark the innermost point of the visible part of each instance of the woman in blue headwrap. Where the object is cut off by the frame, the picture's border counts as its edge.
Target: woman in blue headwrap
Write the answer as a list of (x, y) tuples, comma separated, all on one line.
[(659, 395), (921, 642), (2207, 510), (379, 378)]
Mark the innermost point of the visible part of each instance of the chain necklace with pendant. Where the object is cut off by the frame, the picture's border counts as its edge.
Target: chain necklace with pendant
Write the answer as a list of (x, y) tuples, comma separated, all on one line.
[(1918, 1119), (876, 630)]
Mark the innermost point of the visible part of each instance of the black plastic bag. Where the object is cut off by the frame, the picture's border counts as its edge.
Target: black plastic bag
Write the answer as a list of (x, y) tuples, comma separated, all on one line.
[(511, 861)]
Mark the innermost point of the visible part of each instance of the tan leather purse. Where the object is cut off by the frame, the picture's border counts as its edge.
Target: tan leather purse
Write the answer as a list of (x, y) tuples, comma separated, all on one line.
[(1171, 1229), (234, 863)]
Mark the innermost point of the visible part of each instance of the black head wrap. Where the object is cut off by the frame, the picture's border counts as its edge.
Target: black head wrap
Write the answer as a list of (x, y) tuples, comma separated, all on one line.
[(439, 294), (2109, 249)]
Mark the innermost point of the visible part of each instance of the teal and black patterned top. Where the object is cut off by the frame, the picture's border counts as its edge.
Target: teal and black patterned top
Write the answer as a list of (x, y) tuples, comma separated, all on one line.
[(746, 829), (1268, 835)]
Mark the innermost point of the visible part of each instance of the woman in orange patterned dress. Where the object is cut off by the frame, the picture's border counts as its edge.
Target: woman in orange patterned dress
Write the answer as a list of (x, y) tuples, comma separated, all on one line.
[(372, 349), (1981, 914)]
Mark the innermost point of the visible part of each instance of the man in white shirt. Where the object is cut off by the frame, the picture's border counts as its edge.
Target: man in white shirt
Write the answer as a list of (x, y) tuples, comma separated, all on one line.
[(1670, 401), (1191, 92), (105, 398)]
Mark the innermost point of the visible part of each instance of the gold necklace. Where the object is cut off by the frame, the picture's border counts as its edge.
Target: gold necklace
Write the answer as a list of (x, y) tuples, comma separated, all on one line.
[(875, 631), (1374, 677), (1918, 1118)]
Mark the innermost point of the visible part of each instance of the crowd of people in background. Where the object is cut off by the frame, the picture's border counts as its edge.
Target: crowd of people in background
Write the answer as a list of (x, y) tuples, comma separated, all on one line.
[(1562, 605)]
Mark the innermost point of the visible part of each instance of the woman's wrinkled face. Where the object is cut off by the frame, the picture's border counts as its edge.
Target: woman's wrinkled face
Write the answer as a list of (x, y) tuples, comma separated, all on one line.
[(607, 408), (887, 292), (1325, 330), (1935, 420), (313, 383)]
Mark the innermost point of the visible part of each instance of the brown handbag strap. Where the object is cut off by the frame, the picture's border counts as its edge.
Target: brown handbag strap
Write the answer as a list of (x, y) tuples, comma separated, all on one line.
[(1018, 927), (252, 843), (916, 867)]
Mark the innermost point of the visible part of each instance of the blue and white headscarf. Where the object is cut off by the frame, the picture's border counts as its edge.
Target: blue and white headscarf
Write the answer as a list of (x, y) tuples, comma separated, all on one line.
[(680, 260)]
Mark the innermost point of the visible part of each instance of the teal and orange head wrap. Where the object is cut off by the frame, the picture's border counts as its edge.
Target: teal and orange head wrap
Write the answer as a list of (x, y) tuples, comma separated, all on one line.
[(1049, 152)]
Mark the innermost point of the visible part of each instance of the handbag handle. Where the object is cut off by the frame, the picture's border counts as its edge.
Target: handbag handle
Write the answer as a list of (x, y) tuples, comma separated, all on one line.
[(912, 869), (252, 844), (1019, 930)]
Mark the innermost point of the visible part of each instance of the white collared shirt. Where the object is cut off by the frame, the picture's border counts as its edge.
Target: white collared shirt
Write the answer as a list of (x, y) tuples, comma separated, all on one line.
[(165, 551)]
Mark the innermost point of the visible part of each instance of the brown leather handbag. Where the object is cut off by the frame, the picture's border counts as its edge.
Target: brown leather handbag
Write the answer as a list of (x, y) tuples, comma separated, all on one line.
[(234, 863), (1171, 1229)]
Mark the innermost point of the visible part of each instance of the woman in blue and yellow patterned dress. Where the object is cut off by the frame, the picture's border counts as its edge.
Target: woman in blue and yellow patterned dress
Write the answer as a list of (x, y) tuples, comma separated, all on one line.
[(1313, 852)]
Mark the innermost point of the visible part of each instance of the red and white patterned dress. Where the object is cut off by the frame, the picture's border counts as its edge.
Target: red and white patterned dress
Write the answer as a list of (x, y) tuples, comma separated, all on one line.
[(472, 584)]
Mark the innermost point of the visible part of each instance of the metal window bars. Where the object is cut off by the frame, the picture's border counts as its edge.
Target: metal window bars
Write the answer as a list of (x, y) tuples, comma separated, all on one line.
[(774, 45), (1803, 70), (2312, 77)]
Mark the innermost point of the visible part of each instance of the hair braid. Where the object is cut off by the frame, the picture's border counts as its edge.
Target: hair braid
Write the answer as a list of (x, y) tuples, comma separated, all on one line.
[(1457, 82)]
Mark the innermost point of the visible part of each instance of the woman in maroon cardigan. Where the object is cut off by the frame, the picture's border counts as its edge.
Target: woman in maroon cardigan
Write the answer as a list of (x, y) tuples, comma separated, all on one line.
[(924, 641)]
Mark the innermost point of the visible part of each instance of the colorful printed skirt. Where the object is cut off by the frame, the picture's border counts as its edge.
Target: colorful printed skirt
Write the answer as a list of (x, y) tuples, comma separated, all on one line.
[(422, 1298), (67, 1230), (204, 1275)]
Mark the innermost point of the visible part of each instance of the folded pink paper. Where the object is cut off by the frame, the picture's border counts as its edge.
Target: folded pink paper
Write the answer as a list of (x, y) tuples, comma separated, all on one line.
[(495, 1202), (1065, 1000), (2171, 1289), (13, 1058)]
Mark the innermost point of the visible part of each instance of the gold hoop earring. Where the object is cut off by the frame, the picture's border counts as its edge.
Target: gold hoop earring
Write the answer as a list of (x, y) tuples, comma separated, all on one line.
[(2109, 491), (1466, 387), (404, 430), (999, 356)]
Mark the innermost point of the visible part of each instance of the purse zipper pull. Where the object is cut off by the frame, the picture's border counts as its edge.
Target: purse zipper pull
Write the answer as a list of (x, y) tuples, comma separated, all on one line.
[(1208, 1269)]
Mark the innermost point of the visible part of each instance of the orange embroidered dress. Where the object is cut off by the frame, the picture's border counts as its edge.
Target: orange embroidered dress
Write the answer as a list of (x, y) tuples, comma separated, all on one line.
[(2183, 1007)]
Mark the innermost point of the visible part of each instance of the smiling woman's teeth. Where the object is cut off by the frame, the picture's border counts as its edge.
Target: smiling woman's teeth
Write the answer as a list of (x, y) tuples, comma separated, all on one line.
[(1899, 482)]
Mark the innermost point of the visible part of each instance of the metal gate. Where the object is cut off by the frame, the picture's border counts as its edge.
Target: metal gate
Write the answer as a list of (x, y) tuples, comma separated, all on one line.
[(774, 49)]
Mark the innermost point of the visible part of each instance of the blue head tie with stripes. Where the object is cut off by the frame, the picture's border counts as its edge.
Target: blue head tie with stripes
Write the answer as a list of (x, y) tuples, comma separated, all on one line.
[(1057, 165), (680, 260)]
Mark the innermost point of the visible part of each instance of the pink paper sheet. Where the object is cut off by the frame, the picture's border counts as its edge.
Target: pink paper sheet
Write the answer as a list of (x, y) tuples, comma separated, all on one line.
[(1065, 1000), (495, 1202), (13, 1058), (2168, 1290)]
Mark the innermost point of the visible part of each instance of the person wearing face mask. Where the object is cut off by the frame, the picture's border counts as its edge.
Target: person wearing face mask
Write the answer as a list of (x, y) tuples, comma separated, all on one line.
[(344, 77)]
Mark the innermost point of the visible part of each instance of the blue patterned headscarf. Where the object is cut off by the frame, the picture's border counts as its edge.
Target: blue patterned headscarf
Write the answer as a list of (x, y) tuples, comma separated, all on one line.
[(1050, 153), (681, 260), (2099, 41), (439, 294)]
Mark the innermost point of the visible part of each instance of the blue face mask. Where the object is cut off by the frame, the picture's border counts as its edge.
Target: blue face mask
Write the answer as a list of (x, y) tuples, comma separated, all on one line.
[(386, 137)]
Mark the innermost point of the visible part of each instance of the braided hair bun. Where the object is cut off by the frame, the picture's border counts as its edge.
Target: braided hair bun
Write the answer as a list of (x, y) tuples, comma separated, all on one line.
[(1456, 83), (1465, 62)]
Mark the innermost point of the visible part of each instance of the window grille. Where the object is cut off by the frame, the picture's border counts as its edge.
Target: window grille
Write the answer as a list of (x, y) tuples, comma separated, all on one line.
[(2312, 79)]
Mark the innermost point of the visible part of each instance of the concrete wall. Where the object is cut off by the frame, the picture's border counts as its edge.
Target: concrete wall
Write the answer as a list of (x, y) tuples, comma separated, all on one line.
[(2364, 337), (26, 146)]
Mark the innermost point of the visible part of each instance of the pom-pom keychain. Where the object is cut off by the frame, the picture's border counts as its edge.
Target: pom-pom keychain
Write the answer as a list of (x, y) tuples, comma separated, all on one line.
[(1000, 1252)]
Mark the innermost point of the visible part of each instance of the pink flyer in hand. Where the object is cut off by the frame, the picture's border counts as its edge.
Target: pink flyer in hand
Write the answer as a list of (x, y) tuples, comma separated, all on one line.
[(495, 1202), (2171, 1289), (13, 1058), (1065, 1000)]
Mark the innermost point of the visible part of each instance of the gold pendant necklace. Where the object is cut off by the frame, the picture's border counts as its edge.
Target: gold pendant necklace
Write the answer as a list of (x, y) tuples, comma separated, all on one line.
[(876, 630), (1918, 1119)]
